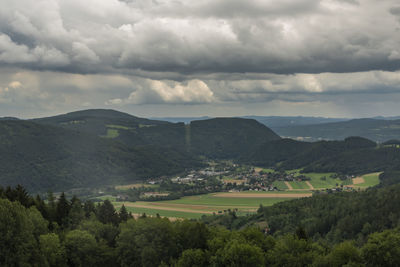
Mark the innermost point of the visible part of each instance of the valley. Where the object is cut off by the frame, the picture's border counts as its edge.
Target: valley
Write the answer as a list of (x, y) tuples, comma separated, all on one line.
[(241, 190), (120, 180)]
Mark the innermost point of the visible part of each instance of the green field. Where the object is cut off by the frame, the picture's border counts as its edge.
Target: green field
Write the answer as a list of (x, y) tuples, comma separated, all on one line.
[(232, 202), (328, 182), (196, 206), (299, 185), (118, 127), (163, 213), (371, 179), (280, 185), (112, 133)]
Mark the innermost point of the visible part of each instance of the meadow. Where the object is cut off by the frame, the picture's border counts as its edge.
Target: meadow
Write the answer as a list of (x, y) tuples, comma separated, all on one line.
[(208, 204), (368, 180), (325, 181)]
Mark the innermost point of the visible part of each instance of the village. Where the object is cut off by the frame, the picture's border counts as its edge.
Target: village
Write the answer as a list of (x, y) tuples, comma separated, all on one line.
[(236, 178), (230, 177)]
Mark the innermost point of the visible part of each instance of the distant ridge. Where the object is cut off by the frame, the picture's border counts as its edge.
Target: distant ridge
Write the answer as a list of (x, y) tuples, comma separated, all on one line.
[(374, 129), (8, 119)]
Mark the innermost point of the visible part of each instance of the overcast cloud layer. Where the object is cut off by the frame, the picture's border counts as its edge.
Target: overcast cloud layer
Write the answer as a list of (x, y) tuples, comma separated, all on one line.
[(189, 58)]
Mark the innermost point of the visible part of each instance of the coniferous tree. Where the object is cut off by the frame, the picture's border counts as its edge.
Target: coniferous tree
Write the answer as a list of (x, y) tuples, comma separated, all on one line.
[(76, 213), (51, 206), (19, 194), (89, 208), (123, 214), (106, 213), (42, 207), (62, 210)]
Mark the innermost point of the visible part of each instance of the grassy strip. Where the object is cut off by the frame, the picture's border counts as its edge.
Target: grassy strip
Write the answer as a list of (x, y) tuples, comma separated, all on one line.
[(165, 213), (280, 185), (210, 200), (299, 185)]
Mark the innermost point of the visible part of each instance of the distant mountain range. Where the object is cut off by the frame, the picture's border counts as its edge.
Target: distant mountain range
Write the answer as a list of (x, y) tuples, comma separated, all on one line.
[(270, 121), (379, 129)]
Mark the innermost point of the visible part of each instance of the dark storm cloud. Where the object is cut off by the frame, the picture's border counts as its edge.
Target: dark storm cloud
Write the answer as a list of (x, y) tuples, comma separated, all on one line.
[(211, 57), (195, 37)]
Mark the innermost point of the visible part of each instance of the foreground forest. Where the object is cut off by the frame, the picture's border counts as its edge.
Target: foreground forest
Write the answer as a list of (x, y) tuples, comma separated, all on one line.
[(62, 232)]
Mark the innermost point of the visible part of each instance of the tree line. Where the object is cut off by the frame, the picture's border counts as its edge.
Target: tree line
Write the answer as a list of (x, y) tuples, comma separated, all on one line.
[(67, 232)]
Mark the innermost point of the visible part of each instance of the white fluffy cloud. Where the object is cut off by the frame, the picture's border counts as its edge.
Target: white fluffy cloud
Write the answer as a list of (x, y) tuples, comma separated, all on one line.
[(162, 92)]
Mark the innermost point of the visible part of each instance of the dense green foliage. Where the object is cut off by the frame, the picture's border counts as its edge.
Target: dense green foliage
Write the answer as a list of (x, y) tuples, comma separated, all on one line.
[(271, 153), (214, 138), (374, 129), (44, 157), (228, 137), (354, 155), (95, 121), (102, 236)]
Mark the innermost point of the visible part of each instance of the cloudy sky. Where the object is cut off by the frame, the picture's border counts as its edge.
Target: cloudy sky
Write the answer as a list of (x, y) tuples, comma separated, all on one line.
[(336, 58)]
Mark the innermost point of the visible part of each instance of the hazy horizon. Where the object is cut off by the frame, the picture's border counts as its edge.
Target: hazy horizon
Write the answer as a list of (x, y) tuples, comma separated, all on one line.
[(189, 117)]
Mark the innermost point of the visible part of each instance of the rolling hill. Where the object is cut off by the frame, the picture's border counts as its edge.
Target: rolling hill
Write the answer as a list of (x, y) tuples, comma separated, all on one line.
[(102, 147), (214, 138), (227, 137), (354, 155), (98, 121), (45, 157), (378, 130)]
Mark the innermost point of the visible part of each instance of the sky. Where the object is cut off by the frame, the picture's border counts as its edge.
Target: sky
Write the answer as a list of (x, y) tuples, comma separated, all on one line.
[(159, 58)]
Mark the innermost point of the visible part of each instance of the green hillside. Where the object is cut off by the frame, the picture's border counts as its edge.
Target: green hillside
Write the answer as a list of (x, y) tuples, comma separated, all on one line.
[(228, 137), (215, 138), (44, 157), (354, 155), (98, 121)]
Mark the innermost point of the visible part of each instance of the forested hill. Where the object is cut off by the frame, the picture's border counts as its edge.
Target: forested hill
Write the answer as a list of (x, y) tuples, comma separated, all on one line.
[(227, 137), (98, 121), (44, 157), (354, 155), (100, 147), (378, 130), (215, 138)]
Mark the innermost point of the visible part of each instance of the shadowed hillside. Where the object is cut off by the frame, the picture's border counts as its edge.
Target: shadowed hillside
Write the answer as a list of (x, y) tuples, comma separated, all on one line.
[(215, 138), (43, 157)]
